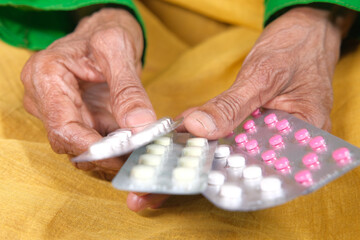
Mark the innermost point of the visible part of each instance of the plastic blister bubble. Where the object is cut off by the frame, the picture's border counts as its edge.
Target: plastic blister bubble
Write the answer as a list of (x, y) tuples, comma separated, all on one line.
[(122, 141)]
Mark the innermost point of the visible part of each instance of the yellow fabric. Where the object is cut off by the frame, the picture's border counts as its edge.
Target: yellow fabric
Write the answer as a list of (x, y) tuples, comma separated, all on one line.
[(42, 196)]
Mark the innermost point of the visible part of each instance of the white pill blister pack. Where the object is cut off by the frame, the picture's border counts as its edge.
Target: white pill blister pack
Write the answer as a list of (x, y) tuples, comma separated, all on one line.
[(122, 141), (272, 158), (176, 163)]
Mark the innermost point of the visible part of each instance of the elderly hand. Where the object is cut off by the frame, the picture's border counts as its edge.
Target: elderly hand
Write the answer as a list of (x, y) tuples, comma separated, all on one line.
[(87, 84), (290, 68)]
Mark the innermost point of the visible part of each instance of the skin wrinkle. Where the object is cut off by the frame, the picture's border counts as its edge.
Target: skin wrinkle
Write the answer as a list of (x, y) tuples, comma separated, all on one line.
[(268, 42), (53, 80), (69, 138), (228, 107), (125, 96)]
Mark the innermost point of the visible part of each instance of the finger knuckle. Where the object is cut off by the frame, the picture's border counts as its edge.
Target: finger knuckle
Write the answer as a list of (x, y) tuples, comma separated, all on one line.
[(129, 95), (109, 36), (56, 141), (228, 106)]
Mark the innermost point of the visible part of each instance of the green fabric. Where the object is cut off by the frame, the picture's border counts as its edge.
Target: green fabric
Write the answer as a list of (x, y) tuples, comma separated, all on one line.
[(35, 24), (274, 7)]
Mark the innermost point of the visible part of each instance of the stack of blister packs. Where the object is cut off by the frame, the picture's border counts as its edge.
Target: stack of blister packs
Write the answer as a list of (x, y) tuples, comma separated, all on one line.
[(269, 159)]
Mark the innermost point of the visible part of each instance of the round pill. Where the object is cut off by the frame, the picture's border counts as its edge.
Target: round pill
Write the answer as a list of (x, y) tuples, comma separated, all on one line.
[(155, 149), (164, 141), (236, 161), (256, 113), (270, 184), (304, 177), (230, 191), (142, 172), (270, 119), (302, 135), (241, 138), (283, 125), (269, 155), (196, 142), (252, 145), (282, 163), (341, 154), (276, 141), (192, 151), (222, 151), (249, 125), (216, 178), (252, 172), (318, 143), (190, 162), (150, 159), (310, 159), (183, 174)]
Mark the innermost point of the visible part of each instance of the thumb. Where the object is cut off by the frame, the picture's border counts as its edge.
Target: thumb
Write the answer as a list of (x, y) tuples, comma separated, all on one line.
[(254, 86), (115, 55)]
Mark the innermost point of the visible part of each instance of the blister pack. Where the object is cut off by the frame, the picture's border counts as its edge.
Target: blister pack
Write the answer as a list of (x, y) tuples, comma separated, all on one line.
[(122, 141), (176, 163), (271, 158), (274, 157)]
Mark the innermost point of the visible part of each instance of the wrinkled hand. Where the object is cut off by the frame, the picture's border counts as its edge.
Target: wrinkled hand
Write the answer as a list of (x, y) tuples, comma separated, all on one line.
[(290, 68), (87, 84)]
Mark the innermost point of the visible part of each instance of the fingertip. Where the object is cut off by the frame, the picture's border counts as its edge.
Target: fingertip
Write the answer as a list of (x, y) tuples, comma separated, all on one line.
[(135, 203), (181, 127), (200, 124), (138, 203), (138, 118), (186, 113), (140, 193), (111, 163), (85, 166)]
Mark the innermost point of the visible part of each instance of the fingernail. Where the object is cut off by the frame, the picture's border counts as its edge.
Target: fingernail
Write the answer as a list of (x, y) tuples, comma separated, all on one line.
[(139, 117), (205, 121)]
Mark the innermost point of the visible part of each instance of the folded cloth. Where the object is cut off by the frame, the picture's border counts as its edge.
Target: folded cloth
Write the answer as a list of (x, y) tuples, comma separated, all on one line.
[(42, 196)]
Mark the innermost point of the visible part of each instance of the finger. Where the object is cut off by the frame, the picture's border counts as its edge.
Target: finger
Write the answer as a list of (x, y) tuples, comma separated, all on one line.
[(138, 203), (30, 106), (83, 68), (257, 83), (68, 122), (140, 193), (110, 165), (114, 53), (76, 59), (181, 127)]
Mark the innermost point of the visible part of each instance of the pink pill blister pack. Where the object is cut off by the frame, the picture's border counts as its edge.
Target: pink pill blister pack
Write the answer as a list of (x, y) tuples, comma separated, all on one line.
[(272, 158)]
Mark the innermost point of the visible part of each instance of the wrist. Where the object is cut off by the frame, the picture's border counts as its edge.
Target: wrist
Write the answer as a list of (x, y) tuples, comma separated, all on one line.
[(338, 19)]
